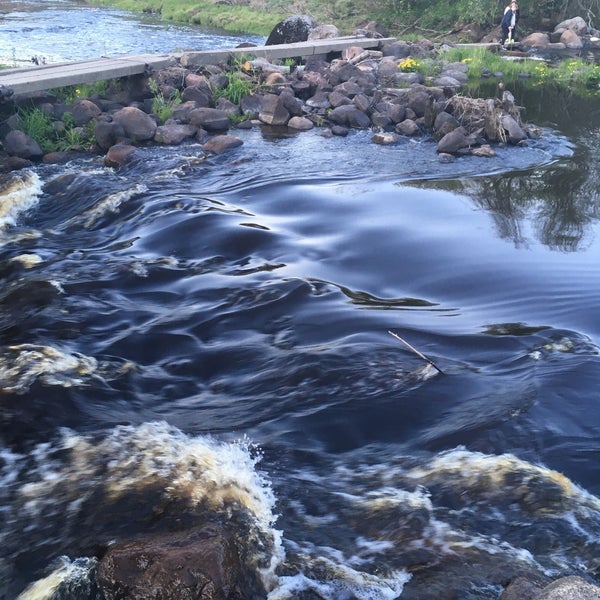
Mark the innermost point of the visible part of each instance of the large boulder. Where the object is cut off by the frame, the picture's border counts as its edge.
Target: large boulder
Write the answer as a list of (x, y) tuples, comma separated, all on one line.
[(570, 39), (576, 24), (221, 143), (273, 110), (172, 134), (513, 130), (294, 28), (138, 125), (17, 143), (538, 40), (203, 563), (84, 111), (210, 119), (349, 116)]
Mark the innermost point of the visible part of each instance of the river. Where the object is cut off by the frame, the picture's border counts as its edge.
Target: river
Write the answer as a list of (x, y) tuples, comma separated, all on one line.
[(214, 333)]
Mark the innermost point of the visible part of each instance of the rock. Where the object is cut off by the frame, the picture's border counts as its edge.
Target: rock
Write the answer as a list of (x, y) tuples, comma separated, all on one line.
[(203, 563), (576, 24), (486, 151), (273, 110), (538, 41), (407, 127), (513, 129), (108, 133), (570, 39), (211, 119), (386, 139), (447, 81), (119, 155), (138, 125), (182, 111), (18, 143), (15, 163), (349, 116), (455, 141), (294, 28), (570, 588), (300, 123), (172, 134), (521, 589), (198, 95), (396, 49), (323, 32), (221, 143), (84, 111)]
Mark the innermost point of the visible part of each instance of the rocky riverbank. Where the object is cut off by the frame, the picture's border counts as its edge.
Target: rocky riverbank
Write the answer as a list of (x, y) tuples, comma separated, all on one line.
[(357, 90)]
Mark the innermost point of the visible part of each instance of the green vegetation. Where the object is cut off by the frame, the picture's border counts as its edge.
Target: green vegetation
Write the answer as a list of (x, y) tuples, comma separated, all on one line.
[(51, 136), (235, 17), (163, 107), (72, 93), (436, 19), (573, 73)]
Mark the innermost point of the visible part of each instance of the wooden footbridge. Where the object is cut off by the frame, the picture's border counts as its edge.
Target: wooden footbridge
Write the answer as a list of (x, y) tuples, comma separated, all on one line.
[(32, 79)]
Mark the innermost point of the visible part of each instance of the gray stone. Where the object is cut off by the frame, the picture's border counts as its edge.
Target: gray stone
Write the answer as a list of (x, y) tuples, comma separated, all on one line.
[(108, 133), (513, 129), (84, 111), (172, 134), (17, 143), (455, 141), (138, 125), (407, 127), (349, 116), (273, 110), (300, 123), (570, 588), (211, 119)]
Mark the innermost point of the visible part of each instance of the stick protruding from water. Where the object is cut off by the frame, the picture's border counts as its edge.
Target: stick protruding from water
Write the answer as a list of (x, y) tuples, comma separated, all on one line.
[(419, 354)]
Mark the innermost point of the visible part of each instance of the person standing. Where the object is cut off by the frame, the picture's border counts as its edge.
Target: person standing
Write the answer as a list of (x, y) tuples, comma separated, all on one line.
[(509, 22)]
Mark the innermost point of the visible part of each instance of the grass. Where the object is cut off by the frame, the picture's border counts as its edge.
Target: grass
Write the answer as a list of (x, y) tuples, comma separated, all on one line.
[(575, 73), (39, 126), (163, 107), (233, 17), (72, 93)]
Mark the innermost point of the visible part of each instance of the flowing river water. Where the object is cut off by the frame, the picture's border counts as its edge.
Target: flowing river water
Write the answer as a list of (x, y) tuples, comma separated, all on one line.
[(211, 334)]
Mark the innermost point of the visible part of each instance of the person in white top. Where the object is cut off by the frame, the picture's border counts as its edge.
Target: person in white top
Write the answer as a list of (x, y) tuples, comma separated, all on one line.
[(509, 22)]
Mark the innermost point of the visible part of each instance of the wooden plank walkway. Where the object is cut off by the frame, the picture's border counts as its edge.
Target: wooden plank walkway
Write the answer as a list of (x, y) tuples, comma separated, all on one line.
[(45, 77)]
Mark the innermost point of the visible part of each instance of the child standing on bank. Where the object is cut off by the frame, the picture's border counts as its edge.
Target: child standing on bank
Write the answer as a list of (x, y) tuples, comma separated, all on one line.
[(509, 22)]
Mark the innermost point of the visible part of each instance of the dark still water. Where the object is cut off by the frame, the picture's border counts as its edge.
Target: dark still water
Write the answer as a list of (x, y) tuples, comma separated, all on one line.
[(193, 337)]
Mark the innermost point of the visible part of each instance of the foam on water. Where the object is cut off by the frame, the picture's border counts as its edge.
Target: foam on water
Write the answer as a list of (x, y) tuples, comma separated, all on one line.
[(21, 365), (18, 193), (50, 493)]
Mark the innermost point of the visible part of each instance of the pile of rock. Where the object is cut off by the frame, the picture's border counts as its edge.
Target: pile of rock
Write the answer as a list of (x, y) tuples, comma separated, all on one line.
[(572, 34), (362, 89)]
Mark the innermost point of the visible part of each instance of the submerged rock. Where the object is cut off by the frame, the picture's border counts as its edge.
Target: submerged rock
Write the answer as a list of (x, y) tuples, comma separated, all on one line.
[(201, 563)]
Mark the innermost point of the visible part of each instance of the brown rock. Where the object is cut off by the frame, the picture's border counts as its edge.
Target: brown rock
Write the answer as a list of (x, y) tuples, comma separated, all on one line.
[(273, 111), (407, 127), (119, 155), (220, 143), (570, 39), (138, 125), (203, 564), (300, 123), (172, 134), (84, 111)]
